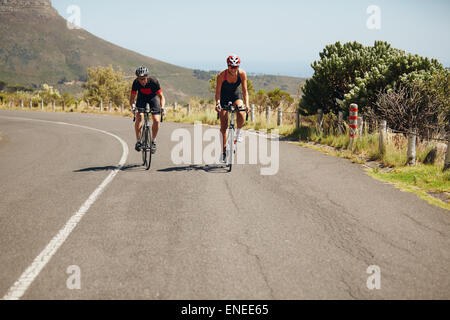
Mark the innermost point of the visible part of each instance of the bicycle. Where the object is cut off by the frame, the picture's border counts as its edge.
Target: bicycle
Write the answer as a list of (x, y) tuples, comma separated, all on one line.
[(146, 139), (231, 137)]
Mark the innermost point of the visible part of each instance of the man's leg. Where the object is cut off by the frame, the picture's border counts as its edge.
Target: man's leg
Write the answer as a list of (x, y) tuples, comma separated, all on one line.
[(138, 125), (138, 129), (156, 124)]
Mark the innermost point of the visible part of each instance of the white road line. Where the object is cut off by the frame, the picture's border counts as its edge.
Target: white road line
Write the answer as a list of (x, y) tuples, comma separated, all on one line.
[(22, 284)]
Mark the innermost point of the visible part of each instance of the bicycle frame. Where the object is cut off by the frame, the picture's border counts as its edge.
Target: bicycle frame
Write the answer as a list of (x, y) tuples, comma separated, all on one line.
[(146, 137), (231, 141)]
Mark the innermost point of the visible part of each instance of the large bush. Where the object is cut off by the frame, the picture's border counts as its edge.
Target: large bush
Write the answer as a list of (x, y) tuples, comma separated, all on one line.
[(106, 84), (353, 73)]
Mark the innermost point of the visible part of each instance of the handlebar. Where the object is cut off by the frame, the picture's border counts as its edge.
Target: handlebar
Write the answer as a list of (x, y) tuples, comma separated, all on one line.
[(134, 109), (229, 107)]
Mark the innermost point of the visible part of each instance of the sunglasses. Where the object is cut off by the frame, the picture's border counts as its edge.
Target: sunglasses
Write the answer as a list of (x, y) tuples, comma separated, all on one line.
[(233, 67), (142, 78)]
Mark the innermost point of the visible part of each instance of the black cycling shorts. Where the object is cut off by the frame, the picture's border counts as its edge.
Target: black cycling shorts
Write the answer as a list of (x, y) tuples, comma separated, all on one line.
[(155, 106), (224, 100)]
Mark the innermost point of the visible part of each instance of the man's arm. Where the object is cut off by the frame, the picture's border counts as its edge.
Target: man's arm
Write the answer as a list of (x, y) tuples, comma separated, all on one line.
[(162, 99), (132, 98)]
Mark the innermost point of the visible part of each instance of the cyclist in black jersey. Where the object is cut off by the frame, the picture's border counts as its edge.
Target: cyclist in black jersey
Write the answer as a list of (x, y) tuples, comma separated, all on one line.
[(228, 89), (148, 91)]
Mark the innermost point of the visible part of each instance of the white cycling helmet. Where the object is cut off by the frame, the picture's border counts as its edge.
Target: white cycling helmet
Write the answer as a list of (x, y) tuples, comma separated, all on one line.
[(141, 71)]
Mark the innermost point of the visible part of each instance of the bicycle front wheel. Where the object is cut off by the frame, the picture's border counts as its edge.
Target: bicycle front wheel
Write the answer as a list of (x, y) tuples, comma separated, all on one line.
[(149, 148), (145, 147), (230, 150)]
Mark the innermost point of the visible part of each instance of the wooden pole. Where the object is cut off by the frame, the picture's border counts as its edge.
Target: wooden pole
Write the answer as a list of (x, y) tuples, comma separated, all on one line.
[(360, 126), (340, 129), (382, 138), (447, 155), (253, 113), (412, 148), (320, 120)]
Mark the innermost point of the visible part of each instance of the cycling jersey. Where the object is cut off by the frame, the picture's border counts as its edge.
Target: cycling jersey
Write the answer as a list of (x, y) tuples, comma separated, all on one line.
[(230, 92), (146, 94)]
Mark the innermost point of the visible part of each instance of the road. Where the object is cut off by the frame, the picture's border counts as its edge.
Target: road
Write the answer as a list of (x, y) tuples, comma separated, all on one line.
[(196, 232)]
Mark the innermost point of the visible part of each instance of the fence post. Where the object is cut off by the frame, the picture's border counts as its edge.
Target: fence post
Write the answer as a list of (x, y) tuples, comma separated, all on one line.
[(280, 117), (42, 104), (319, 119), (268, 114), (340, 128), (299, 120), (122, 106), (188, 109), (63, 106), (253, 113), (76, 105), (101, 105), (10, 104), (412, 148), (31, 104), (53, 105), (353, 120), (175, 106), (21, 103), (110, 106), (447, 155), (382, 138), (360, 125)]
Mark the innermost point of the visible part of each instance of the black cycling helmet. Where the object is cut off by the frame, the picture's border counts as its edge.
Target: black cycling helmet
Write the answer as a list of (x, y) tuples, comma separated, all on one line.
[(141, 71)]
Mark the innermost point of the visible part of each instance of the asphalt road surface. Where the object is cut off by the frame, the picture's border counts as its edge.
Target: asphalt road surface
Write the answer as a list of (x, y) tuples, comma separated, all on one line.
[(311, 231)]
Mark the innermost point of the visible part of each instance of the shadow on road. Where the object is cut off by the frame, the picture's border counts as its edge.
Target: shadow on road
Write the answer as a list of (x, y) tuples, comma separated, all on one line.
[(133, 167), (206, 168)]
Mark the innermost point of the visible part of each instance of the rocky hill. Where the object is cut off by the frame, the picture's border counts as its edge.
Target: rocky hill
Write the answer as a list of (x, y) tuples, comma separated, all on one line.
[(37, 47)]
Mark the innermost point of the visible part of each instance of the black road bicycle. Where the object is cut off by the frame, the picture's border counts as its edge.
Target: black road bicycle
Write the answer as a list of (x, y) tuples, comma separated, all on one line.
[(231, 137), (146, 139)]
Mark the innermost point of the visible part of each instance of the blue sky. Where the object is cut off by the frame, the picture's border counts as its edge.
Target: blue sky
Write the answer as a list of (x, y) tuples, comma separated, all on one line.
[(273, 37)]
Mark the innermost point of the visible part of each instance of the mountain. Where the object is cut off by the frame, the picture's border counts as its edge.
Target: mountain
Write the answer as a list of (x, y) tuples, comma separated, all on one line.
[(37, 47)]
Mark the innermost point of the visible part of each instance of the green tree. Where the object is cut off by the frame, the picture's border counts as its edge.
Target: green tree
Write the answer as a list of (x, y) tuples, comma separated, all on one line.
[(106, 84), (260, 99), (67, 99), (277, 97), (353, 73)]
